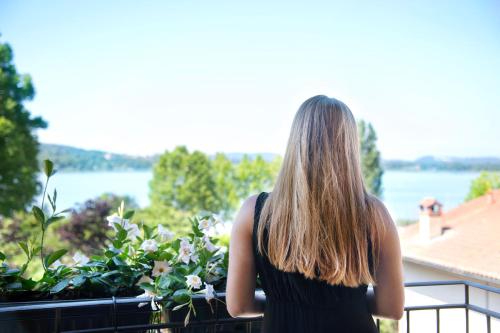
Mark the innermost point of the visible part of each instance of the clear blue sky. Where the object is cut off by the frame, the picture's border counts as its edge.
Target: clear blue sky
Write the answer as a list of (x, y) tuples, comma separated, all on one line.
[(140, 77)]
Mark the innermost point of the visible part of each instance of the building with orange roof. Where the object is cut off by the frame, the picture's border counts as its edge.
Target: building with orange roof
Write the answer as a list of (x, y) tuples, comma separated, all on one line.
[(460, 244)]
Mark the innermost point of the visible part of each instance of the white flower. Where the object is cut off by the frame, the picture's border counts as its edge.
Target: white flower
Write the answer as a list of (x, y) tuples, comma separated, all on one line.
[(151, 295), (208, 244), (194, 257), (80, 259), (187, 252), (209, 292), (115, 219), (144, 279), (149, 245), (217, 219), (56, 264), (165, 234), (161, 268), (193, 281), (133, 231), (204, 225), (185, 242)]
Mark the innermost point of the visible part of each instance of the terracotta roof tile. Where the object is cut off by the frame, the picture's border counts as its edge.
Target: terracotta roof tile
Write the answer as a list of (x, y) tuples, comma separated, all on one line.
[(469, 245)]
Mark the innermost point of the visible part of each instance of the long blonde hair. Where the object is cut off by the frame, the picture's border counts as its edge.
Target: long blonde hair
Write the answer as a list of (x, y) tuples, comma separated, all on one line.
[(319, 218)]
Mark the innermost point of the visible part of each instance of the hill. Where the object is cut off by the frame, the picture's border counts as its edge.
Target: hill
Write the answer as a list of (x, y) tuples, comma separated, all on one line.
[(445, 164), (68, 158), (76, 159)]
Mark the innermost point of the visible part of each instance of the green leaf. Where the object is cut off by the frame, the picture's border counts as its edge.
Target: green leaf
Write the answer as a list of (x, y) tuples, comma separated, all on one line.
[(59, 286), (128, 214), (103, 281), (67, 210), (122, 234), (148, 231), (78, 280), (24, 246), (118, 262), (146, 286), (110, 273), (165, 282), (11, 272), (14, 286), (53, 219), (39, 215), (51, 202), (2, 256), (177, 278), (197, 271), (176, 244), (51, 258), (36, 250), (181, 296), (28, 284), (48, 168), (179, 306)]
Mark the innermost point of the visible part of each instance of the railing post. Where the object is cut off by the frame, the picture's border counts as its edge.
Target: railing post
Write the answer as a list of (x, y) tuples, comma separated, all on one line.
[(437, 321), (378, 325), (407, 321), (466, 308), (115, 316), (58, 320), (488, 323)]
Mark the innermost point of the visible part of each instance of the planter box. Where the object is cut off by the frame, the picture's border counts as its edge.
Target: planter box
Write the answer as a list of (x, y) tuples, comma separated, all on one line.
[(117, 314)]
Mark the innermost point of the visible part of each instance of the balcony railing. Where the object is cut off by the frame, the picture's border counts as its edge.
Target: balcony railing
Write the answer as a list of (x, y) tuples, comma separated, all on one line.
[(466, 304), (123, 315)]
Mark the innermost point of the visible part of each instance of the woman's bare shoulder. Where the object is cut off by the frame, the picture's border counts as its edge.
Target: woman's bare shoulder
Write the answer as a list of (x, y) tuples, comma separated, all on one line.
[(382, 216), (244, 218)]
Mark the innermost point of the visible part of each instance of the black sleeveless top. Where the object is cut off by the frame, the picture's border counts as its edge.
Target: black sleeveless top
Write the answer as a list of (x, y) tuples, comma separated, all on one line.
[(295, 304)]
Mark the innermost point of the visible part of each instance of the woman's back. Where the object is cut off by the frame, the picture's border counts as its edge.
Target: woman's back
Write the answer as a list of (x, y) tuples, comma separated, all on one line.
[(319, 238), (297, 304)]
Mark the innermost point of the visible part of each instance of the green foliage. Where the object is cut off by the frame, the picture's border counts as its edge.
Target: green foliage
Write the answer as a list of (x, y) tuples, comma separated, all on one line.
[(224, 175), (370, 158), (485, 182), (173, 218), (45, 220), (169, 271), (255, 176), (18, 144), (184, 181), (388, 326)]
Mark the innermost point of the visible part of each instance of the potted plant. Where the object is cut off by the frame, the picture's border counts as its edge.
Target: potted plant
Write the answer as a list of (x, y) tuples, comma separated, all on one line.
[(145, 276)]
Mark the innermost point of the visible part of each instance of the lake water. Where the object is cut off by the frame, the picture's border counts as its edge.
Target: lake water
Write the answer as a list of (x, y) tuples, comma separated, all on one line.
[(402, 189)]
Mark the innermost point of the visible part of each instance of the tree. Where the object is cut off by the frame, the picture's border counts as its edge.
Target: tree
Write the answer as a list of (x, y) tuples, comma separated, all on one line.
[(370, 158), (485, 182), (184, 181), (254, 176), (18, 143), (225, 183)]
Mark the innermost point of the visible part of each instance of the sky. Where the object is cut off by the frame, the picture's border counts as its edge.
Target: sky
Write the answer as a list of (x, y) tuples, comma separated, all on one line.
[(140, 77)]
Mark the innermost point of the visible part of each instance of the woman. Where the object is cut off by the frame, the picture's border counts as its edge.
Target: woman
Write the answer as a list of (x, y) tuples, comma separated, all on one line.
[(318, 239)]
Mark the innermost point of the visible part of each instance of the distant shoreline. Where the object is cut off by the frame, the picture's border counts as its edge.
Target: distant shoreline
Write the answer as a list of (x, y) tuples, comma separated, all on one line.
[(74, 171), (74, 159)]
